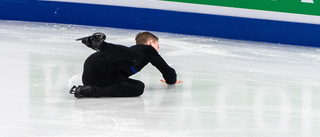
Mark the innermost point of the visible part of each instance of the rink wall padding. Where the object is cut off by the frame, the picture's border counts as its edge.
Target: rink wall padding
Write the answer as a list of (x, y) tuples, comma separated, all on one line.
[(162, 20)]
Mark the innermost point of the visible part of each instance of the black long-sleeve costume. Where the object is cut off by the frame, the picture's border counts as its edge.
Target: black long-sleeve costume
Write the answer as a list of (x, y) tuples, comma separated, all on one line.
[(107, 71), (149, 54)]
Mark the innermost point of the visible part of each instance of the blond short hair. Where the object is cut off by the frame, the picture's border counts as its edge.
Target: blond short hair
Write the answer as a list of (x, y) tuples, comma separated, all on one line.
[(144, 37)]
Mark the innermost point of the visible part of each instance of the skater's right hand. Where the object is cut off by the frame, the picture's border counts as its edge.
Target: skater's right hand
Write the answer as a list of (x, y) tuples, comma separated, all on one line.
[(177, 82)]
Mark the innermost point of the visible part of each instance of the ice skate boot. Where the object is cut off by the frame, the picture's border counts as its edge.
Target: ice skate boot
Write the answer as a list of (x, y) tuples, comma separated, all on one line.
[(80, 91)]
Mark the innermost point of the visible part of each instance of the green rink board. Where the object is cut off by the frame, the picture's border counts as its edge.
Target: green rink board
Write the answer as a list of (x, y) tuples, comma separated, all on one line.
[(287, 6)]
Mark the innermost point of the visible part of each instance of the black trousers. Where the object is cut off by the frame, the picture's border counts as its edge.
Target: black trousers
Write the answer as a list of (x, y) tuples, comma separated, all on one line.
[(123, 88), (105, 74)]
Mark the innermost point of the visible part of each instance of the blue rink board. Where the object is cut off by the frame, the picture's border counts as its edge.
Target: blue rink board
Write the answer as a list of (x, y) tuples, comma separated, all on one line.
[(162, 20)]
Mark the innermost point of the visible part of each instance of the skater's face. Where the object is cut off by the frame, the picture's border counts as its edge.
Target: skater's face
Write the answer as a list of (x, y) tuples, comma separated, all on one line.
[(154, 44)]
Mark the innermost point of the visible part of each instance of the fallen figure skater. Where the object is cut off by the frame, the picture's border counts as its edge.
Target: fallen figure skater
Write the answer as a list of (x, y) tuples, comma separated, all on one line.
[(106, 72)]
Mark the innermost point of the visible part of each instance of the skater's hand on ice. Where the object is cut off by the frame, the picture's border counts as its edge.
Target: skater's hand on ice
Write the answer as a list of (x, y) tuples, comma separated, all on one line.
[(177, 82)]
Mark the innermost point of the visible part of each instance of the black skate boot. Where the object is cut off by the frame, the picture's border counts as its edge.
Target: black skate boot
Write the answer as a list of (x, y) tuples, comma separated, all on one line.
[(80, 91)]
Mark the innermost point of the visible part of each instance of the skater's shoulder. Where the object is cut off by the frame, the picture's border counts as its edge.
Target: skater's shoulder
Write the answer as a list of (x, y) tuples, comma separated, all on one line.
[(144, 48), (139, 46)]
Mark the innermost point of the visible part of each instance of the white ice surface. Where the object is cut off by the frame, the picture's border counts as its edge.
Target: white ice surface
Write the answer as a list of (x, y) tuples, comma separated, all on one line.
[(231, 88)]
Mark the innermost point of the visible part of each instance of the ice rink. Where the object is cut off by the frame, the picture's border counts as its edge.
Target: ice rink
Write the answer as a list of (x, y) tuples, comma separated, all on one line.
[(231, 88)]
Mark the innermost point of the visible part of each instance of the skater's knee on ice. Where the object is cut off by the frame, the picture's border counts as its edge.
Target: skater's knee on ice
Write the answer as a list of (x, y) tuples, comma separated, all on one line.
[(139, 89)]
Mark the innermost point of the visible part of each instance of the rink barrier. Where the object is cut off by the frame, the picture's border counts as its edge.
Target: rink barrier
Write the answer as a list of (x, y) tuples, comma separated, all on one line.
[(164, 20)]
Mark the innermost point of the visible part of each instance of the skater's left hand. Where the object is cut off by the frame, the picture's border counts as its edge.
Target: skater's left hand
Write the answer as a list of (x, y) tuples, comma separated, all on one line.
[(177, 82)]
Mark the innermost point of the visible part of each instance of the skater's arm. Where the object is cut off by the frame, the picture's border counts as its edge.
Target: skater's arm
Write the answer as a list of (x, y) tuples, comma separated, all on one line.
[(168, 73)]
